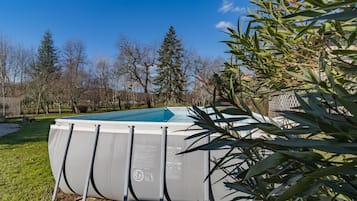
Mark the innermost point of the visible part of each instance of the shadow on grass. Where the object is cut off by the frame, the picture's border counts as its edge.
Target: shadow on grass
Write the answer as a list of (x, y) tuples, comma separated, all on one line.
[(36, 131)]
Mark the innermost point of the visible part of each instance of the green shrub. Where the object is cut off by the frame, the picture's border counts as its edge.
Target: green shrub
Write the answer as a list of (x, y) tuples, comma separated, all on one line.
[(312, 154), (82, 108)]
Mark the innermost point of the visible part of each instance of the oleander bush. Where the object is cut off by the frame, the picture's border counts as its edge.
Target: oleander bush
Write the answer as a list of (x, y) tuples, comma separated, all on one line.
[(310, 153)]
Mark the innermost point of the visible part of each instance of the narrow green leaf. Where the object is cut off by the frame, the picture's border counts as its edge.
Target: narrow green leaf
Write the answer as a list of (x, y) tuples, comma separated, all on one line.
[(238, 187), (298, 142), (261, 166), (342, 16), (302, 118), (233, 119), (256, 41), (343, 188), (196, 135), (338, 28), (312, 74), (344, 52), (217, 144), (302, 185), (337, 4), (300, 131), (308, 156), (270, 128), (319, 3), (234, 111), (352, 38), (307, 181), (247, 31), (332, 170), (306, 13), (352, 97), (245, 127), (349, 105), (323, 145), (308, 27), (300, 77)]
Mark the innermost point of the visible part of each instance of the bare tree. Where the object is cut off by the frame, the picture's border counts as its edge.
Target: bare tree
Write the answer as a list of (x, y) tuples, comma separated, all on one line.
[(204, 70), (4, 76), (190, 61), (137, 60), (117, 83), (74, 59), (21, 61), (102, 67)]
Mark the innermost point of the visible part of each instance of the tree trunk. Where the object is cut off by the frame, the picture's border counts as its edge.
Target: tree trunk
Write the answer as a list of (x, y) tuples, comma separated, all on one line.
[(38, 103), (119, 102), (59, 108), (3, 100), (148, 100), (47, 108), (74, 106)]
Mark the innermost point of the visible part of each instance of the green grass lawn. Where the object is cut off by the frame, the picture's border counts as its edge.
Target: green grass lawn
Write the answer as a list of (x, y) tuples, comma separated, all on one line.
[(25, 172)]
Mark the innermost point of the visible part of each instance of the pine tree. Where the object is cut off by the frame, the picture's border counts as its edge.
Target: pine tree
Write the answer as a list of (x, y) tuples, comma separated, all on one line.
[(46, 58), (44, 71), (170, 79)]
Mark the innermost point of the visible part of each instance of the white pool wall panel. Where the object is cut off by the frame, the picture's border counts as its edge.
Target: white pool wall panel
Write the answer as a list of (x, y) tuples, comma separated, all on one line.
[(184, 173)]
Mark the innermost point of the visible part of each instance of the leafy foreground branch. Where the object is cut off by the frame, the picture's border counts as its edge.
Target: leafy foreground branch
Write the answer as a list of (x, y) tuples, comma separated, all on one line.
[(308, 153)]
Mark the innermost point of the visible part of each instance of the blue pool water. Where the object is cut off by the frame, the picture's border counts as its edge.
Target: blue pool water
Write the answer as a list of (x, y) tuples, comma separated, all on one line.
[(147, 115)]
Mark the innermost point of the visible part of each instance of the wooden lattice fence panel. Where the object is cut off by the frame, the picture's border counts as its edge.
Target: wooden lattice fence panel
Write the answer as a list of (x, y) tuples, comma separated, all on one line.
[(281, 102), (12, 106)]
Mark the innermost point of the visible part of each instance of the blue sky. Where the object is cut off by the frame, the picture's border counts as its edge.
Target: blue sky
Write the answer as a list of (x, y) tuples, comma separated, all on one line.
[(99, 23)]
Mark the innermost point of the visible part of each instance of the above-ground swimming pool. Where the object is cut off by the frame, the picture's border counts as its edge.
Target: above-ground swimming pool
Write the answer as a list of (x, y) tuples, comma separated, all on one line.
[(131, 155)]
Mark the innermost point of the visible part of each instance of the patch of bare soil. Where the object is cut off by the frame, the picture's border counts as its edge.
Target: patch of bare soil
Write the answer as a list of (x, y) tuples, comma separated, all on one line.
[(73, 197)]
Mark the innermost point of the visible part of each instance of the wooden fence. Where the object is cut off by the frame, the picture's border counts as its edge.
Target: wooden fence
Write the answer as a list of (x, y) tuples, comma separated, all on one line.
[(12, 106), (281, 102)]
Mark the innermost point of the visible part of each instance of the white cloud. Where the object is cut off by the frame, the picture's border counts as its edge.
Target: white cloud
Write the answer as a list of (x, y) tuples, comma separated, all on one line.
[(238, 9), (223, 25), (245, 18), (228, 6)]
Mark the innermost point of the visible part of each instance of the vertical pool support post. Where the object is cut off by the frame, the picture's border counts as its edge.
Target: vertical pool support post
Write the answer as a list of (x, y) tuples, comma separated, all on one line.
[(60, 170), (129, 153), (206, 172), (90, 165), (163, 162)]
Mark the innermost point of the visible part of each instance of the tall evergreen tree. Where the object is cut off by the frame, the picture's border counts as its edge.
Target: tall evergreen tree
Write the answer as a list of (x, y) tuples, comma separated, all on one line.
[(170, 79), (43, 71), (46, 63)]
